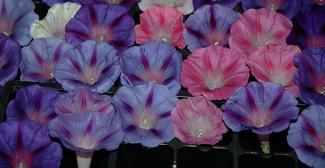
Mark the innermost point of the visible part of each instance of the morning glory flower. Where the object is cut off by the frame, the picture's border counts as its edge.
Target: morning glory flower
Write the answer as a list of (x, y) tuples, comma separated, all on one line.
[(227, 3), (184, 6)]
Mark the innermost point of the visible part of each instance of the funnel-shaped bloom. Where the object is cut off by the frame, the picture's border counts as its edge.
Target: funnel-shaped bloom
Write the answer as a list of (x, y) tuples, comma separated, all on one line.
[(94, 65), (100, 22), (16, 18), (274, 63), (40, 57), (33, 103), (214, 72), (89, 131), (310, 76), (309, 29), (26, 145), (161, 23), (184, 6), (264, 108), (227, 3), (257, 28), (10, 57), (209, 25), (144, 111), (198, 121), (83, 100), (152, 62), (307, 136), (288, 7), (53, 25)]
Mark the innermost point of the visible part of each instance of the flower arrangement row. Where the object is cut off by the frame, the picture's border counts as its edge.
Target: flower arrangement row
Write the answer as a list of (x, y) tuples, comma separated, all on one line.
[(86, 46)]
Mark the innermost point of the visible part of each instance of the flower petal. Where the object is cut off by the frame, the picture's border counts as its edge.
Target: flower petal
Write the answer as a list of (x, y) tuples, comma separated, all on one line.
[(184, 6), (227, 3)]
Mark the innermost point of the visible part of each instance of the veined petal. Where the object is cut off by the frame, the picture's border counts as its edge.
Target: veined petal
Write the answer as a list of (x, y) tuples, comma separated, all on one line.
[(184, 6)]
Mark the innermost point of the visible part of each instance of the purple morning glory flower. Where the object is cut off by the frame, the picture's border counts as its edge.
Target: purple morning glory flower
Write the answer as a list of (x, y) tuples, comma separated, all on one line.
[(89, 131), (53, 2), (100, 22), (83, 100), (124, 3), (93, 64), (288, 7), (310, 75), (40, 57), (144, 111), (307, 136), (10, 57), (152, 62), (26, 145), (209, 25), (264, 108), (33, 103), (308, 29), (16, 19), (228, 3)]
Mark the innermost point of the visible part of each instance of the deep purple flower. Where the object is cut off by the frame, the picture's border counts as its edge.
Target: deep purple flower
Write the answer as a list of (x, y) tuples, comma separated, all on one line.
[(264, 108), (83, 100), (308, 29), (93, 64), (10, 57), (89, 131), (16, 18), (33, 103), (228, 3), (100, 22), (144, 111), (288, 7), (124, 3), (310, 76), (209, 25), (53, 2), (307, 136), (40, 57), (27, 145), (152, 62)]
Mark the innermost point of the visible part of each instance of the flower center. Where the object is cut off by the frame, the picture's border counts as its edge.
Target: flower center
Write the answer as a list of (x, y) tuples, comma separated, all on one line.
[(114, 1), (100, 34), (260, 119), (21, 160), (90, 76), (214, 82), (154, 76), (145, 119), (48, 70), (6, 27), (280, 78), (273, 4)]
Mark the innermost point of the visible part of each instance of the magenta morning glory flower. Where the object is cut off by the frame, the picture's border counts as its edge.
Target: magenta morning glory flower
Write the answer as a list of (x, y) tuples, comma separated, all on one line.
[(152, 62), (27, 145), (16, 18), (100, 22), (310, 76), (144, 111), (40, 57), (308, 30), (228, 3), (33, 103), (307, 136), (10, 57), (209, 25), (198, 121), (89, 132), (83, 100), (93, 64), (262, 107), (288, 7)]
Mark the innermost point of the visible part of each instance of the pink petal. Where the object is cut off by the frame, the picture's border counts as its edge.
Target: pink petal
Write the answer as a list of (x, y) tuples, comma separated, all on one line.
[(161, 23), (214, 72)]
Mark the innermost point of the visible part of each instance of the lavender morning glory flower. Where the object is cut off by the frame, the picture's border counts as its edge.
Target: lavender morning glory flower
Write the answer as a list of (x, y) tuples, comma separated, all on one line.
[(228, 3), (310, 76), (40, 57), (307, 136), (209, 25), (308, 30), (10, 57), (144, 111), (26, 145), (263, 108), (94, 65), (152, 62), (100, 22), (288, 7), (89, 132), (16, 18), (83, 100), (33, 103)]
